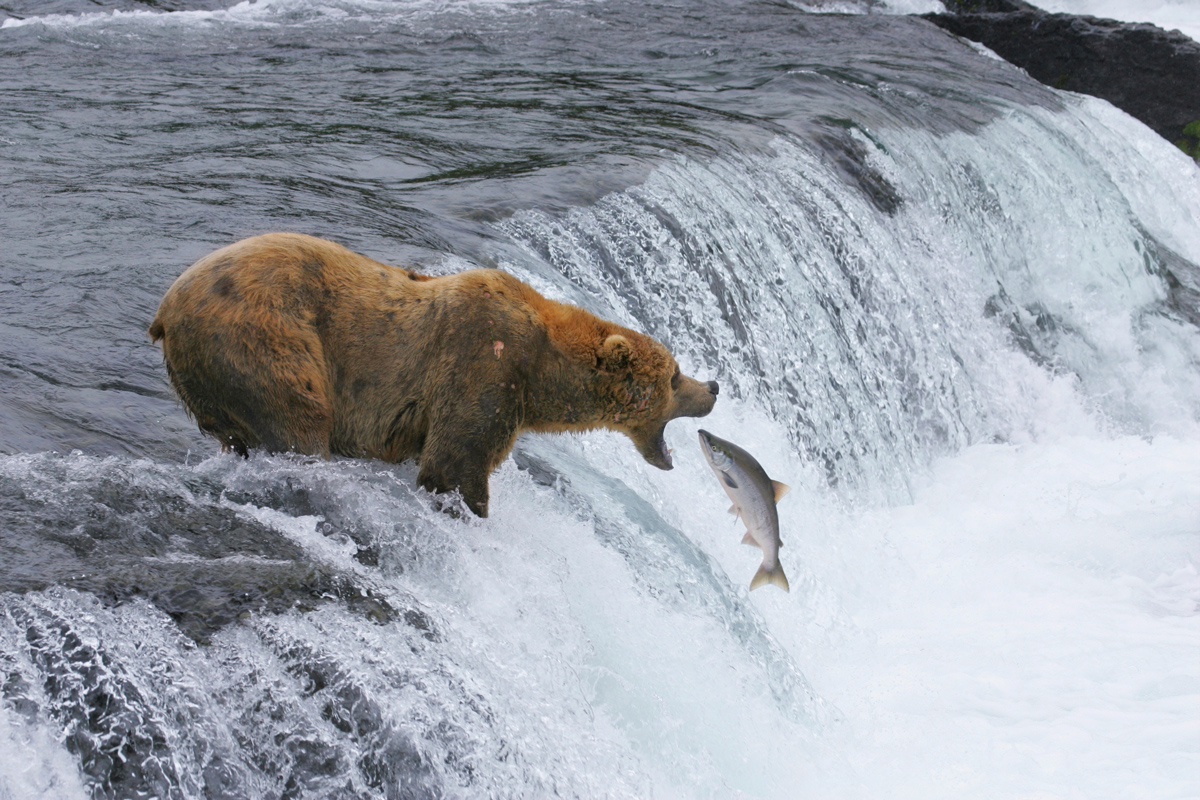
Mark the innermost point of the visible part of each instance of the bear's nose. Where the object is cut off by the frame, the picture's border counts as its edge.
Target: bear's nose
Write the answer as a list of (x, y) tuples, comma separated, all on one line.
[(712, 387)]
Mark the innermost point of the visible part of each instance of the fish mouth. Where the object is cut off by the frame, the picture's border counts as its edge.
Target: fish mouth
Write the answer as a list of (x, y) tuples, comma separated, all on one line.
[(715, 455), (656, 452)]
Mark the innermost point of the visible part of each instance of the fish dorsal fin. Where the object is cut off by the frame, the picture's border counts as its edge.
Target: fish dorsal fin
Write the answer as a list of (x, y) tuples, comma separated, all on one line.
[(780, 490), (748, 539)]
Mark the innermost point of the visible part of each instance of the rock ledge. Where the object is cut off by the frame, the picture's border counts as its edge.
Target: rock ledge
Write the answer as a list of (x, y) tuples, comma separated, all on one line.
[(1150, 73)]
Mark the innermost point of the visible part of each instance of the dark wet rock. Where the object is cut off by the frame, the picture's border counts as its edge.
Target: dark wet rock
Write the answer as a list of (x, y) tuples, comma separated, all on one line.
[(221, 781), (1032, 328), (80, 533), (297, 499), (122, 749), (1181, 276), (16, 692), (850, 157), (1150, 73), (203, 564), (389, 759)]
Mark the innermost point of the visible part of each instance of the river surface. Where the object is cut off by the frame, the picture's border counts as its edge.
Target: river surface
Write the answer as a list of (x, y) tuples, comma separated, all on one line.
[(957, 311)]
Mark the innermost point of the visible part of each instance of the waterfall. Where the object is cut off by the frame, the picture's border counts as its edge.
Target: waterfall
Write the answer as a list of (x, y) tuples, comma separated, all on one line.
[(972, 352)]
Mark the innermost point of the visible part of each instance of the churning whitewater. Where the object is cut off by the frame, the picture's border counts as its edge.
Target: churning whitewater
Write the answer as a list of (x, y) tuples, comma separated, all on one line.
[(956, 311)]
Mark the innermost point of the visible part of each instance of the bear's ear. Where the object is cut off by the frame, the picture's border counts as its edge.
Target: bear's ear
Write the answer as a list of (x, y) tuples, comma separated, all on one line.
[(614, 354)]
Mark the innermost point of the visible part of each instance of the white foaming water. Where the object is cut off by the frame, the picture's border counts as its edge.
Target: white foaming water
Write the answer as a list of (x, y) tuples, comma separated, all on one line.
[(1073, 239), (268, 13), (1021, 619), (1028, 625), (35, 765), (247, 11), (1180, 15)]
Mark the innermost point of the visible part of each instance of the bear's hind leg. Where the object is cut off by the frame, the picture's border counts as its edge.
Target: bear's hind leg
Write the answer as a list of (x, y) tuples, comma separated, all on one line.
[(262, 388), (290, 411)]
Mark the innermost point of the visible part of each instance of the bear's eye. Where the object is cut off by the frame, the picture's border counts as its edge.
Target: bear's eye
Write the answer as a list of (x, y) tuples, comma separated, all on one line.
[(675, 380)]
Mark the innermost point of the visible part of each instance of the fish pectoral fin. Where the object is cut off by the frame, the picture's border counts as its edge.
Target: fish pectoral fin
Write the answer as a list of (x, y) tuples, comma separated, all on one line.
[(780, 490), (750, 540), (730, 482), (765, 576)]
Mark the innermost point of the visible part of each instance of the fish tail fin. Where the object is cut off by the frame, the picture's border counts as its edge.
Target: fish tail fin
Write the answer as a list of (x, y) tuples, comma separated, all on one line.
[(774, 575)]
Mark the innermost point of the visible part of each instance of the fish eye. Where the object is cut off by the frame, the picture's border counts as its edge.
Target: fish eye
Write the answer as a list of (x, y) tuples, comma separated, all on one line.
[(714, 449)]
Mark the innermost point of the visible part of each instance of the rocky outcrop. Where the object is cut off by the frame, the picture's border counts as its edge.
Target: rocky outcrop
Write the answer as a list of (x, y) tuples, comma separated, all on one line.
[(1151, 74), (204, 565)]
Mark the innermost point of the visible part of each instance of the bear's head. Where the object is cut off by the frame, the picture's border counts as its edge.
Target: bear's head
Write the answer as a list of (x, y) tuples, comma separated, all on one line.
[(646, 390)]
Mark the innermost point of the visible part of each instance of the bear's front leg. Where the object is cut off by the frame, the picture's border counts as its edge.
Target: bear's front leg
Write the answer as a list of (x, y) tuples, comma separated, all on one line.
[(462, 449), (442, 473)]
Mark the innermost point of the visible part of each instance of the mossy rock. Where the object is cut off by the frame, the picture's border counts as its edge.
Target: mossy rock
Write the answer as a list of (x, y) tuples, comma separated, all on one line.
[(1190, 143)]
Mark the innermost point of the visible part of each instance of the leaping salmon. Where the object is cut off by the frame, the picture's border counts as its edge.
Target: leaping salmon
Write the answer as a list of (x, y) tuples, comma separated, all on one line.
[(754, 496)]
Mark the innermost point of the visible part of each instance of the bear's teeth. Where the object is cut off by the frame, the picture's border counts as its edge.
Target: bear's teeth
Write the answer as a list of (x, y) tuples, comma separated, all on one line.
[(666, 453)]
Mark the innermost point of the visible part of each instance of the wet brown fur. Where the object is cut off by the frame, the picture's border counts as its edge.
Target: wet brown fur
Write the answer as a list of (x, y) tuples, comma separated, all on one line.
[(288, 342)]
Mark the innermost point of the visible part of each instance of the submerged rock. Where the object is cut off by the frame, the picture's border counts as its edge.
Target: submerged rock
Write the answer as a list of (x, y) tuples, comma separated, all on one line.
[(1147, 72), (204, 564), (850, 157)]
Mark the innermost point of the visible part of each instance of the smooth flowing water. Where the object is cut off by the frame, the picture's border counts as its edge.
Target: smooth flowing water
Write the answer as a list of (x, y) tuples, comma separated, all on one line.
[(955, 310)]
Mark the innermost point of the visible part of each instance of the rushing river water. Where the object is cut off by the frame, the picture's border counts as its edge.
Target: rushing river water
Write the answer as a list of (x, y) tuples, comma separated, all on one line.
[(955, 310)]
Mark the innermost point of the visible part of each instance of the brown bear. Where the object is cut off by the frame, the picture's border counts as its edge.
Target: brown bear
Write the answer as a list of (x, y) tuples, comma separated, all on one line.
[(288, 342)]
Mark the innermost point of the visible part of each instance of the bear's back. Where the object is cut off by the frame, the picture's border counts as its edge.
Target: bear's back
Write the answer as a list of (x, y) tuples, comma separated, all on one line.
[(278, 271)]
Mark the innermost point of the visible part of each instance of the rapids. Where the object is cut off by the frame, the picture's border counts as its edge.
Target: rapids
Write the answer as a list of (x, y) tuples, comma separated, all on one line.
[(955, 310)]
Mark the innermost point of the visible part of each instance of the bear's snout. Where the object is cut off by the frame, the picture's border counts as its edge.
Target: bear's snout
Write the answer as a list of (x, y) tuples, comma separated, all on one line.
[(693, 398)]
